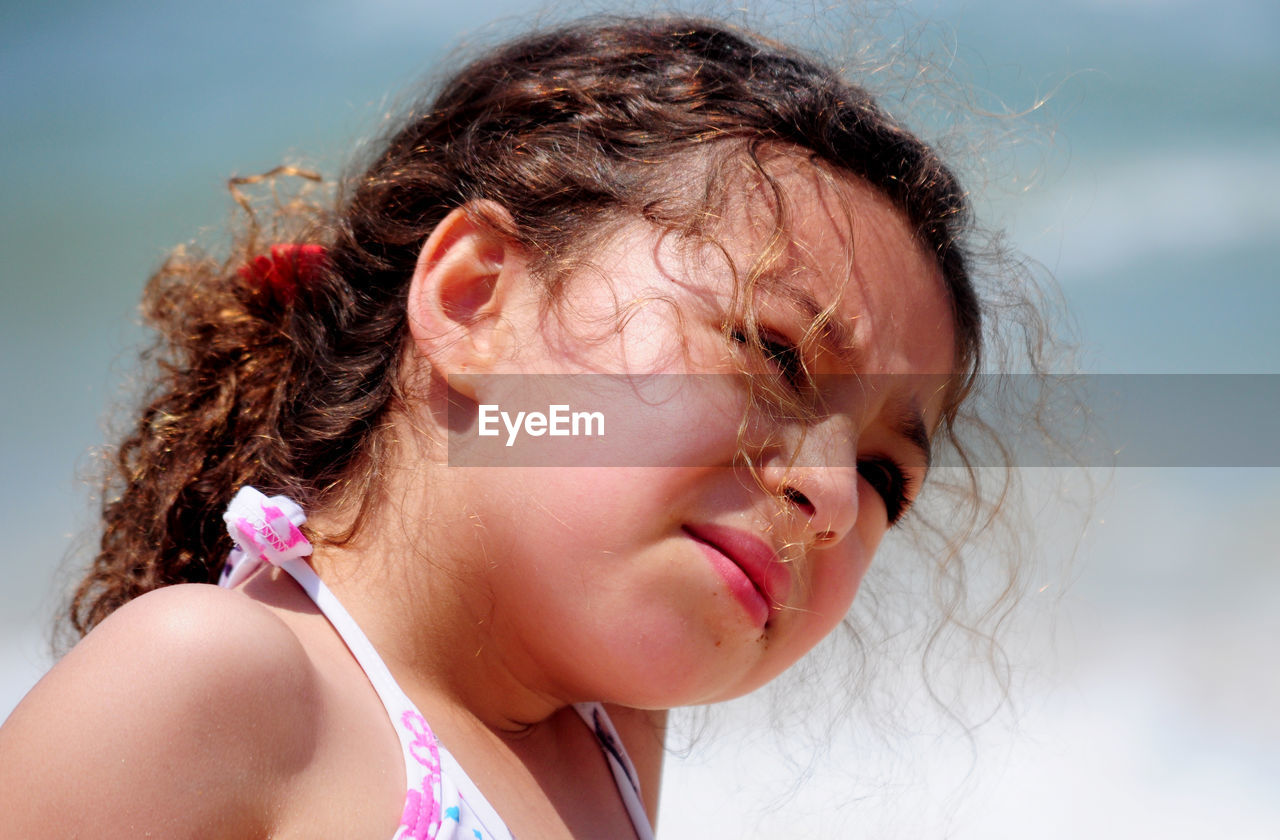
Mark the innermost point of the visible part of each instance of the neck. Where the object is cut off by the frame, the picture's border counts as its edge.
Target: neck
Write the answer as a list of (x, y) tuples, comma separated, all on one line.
[(457, 652)]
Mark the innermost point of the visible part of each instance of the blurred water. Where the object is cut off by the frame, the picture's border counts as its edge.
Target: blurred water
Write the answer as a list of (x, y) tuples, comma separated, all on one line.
[(1150, 183)]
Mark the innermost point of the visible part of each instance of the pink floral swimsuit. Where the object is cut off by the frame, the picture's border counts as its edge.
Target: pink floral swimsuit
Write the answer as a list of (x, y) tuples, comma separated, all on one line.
[(441, 803)]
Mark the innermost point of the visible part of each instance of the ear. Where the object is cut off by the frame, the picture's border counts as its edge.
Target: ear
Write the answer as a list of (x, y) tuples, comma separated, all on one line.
[(462, 280)]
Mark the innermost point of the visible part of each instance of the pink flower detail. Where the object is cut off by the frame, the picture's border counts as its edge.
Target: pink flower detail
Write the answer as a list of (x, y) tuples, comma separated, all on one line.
[(279, 531), (249, 537), (422, 809)]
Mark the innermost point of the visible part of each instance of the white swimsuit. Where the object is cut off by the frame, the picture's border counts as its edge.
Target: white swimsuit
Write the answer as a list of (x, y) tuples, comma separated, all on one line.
[(442, 803)]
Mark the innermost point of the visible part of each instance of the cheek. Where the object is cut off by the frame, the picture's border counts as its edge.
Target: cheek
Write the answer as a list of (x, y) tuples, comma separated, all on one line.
[(671, 420), (839, 571), (836, 577)]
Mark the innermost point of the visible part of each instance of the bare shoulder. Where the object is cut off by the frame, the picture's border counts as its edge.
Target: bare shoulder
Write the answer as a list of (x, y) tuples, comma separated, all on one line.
[(643, 734), (180, 715)]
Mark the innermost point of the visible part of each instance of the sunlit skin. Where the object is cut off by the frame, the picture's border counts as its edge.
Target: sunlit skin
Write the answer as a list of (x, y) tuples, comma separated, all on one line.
[(573, 584), (499, 596)]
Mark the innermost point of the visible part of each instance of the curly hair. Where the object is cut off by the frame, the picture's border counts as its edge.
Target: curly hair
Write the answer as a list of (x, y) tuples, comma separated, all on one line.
[(570, 131)]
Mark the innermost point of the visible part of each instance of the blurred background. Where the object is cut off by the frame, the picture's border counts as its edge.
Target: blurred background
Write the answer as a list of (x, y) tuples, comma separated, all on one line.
[(1144, 178)]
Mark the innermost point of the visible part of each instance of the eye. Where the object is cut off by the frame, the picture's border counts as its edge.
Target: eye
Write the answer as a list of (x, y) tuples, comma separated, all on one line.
[(780, 354), (890, 482)]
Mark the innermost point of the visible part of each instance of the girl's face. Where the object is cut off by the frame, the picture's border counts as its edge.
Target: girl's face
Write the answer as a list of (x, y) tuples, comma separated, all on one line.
[(688, 577)]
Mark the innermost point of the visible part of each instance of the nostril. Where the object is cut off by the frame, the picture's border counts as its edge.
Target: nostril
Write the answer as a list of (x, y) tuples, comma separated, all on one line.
[(800, 500)]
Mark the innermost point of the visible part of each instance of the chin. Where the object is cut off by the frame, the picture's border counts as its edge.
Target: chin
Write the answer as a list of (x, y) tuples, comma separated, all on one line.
[(677, 674)]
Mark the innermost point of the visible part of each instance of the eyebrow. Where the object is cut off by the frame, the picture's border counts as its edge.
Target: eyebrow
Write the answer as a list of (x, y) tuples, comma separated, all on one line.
[(836, 336)]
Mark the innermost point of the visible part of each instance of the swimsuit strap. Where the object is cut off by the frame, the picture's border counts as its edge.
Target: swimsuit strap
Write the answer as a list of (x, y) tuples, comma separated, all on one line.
[(393, 697), (624, 772), (423, 763), (267, 531)]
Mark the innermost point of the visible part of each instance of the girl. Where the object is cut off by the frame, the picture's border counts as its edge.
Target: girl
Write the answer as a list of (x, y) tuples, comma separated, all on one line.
[(745, 268)]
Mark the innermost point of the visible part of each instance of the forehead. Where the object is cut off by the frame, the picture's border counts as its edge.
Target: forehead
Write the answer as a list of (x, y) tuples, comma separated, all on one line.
[(834, 248)]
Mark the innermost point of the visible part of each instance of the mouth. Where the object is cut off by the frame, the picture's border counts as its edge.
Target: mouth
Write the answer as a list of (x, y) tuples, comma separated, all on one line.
[(750, 568)]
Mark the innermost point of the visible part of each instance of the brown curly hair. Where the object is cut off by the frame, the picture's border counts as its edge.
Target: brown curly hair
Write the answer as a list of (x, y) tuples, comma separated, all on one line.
[(569, 131)]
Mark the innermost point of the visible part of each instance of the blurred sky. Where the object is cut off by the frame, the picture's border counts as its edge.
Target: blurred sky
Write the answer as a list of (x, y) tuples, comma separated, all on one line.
[(1146, 184)]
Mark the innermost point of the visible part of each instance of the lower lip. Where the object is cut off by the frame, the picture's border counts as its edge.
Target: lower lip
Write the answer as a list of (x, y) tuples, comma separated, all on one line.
[(740, 586)]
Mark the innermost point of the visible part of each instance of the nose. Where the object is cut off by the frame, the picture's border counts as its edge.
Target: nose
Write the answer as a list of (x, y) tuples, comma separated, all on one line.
[(817, 476)]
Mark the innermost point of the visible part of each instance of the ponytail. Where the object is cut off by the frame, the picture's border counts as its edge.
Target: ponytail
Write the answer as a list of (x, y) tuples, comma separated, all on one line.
[(244, 391)]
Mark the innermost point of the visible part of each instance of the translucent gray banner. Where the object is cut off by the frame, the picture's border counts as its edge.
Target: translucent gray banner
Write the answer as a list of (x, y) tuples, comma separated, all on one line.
[(1097, 420)]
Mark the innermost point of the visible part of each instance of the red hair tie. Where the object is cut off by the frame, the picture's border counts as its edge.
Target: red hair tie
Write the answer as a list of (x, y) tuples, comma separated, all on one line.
[(288, 267)]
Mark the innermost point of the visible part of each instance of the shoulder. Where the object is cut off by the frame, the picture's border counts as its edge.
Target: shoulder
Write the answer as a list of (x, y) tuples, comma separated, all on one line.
[(185, 709)]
